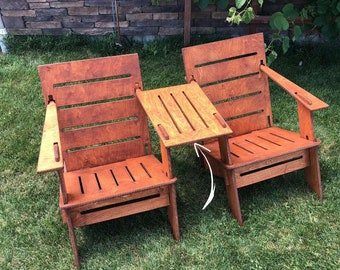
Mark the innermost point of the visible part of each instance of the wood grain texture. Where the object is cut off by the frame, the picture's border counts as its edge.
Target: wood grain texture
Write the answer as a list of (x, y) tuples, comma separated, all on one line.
[(182, 114), (228, 72), (50, 136), (234, 76), (305, 98), (96, 136)]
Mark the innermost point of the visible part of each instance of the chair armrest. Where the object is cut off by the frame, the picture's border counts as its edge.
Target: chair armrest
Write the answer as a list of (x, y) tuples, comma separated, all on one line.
[(306, 102), (305, 98), (50, 158)]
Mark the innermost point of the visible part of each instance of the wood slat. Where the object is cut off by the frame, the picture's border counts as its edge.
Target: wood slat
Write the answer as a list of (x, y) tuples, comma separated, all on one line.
[(88, 69), (137, 171), (285, 164), (159, 113), (147, 170), (95, 68), (120, 211), (190, 109), (178, 115), (114, 201), (97, 113), (248, 147), (277, 138), (241, 86), (94, 91), (270, 149), (107, 133), (263, 144), (125, 185), (89, 183), (214, 51), (106, 180), (201, 110), (243, 105), (247, 124), (226, 70), (104, 154)]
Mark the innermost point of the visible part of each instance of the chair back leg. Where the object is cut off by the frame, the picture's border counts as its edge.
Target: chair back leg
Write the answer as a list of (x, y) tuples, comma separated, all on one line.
[(312, 173)]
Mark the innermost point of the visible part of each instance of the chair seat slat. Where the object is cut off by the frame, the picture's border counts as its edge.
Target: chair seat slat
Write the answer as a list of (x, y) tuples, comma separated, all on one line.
[(125, 185), (266, 151)]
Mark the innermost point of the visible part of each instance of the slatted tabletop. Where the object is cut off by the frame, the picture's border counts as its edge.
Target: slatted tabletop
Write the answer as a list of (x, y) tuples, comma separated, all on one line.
[(182, 114)]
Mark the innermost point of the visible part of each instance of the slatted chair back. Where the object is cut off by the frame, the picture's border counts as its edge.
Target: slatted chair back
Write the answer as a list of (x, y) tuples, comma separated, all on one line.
[(96, 137), (228, 72), (100, 118), (234, 75)]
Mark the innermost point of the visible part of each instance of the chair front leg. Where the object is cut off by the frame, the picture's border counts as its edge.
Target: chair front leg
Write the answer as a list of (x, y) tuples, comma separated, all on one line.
[(232, 194), (72, 239), (172, 212)]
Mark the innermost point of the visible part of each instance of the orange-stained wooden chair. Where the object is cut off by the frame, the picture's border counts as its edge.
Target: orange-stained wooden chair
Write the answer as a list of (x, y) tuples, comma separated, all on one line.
[(234, 76), (96, 137)]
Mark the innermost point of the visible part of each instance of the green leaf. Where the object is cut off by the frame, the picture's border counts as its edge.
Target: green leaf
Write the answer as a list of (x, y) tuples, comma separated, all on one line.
[(260, 2), (297, 32), (222, 4), (337, 21), (232, 11), (329, 31), (338, 6), (279, 22), (322, 7), (203, 4), (290, 12), (248, 15), (285, 44), (304, 13), (231, 15), (271, 57), (320, 21), (240, 3), (237, 19), (276, 36)]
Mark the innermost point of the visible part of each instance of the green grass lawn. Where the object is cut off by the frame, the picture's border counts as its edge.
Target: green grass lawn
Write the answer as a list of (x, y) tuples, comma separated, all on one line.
[(286, 226)]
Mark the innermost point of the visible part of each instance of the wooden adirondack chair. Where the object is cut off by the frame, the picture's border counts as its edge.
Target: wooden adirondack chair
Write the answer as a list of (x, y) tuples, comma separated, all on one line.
[(96, 137), (234, 76)]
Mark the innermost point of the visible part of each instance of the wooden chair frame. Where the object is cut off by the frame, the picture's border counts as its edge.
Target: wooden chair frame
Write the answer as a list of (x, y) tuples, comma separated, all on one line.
[(96, 137), (234, 76)]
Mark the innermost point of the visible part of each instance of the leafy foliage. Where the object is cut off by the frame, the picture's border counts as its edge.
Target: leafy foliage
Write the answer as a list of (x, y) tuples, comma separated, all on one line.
[(242, 12), (323, 15), (326, 15)]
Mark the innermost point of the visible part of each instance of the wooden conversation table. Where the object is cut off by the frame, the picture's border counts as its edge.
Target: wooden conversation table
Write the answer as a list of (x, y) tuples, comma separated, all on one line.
[(183, 114)]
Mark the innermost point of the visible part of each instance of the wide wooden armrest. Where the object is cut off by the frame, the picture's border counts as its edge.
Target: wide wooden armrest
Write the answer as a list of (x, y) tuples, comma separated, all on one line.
[(50, 158), (305, 98)]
